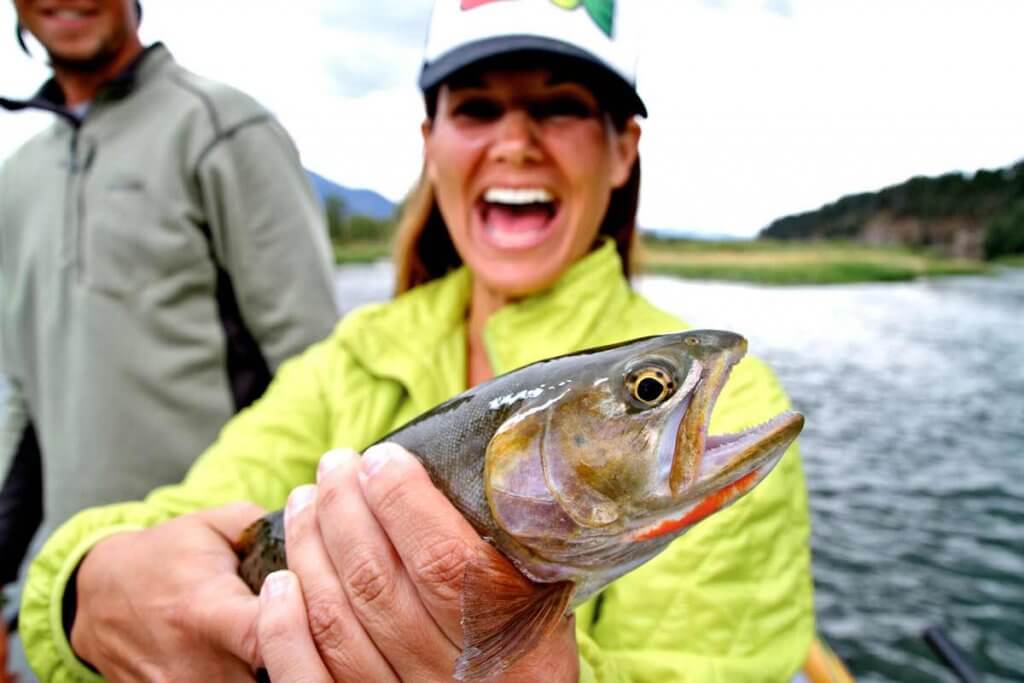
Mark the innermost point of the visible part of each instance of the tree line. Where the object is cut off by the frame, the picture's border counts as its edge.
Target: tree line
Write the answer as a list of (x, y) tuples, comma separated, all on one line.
[(994, 198), (343, 226)]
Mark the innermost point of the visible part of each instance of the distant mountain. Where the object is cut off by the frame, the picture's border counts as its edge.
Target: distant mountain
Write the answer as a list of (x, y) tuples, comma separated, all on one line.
[(970, 216), (672, 234), (357, 201)]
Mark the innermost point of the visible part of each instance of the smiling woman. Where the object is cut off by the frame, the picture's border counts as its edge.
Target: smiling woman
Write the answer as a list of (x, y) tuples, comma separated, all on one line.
[(514, 247), (523, 164)]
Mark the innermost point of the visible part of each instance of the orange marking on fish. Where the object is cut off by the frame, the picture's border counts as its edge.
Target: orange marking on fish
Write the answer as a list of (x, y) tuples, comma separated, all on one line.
[(706, 507)]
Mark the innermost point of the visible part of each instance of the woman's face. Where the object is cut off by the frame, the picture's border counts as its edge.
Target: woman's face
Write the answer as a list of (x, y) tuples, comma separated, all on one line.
[(523, 165)]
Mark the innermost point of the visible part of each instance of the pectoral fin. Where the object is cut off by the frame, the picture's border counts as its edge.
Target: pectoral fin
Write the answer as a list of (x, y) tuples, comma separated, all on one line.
[(504, 615)]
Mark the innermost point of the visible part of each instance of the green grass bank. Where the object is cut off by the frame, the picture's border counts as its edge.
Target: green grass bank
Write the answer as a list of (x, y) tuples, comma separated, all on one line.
[(760, 261)]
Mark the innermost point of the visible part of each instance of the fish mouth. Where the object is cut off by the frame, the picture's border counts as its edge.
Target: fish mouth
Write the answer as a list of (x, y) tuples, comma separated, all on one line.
[(731, 466)]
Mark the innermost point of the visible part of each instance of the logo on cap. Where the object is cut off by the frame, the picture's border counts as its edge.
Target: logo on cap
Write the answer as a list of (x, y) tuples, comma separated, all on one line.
[(601, 11)]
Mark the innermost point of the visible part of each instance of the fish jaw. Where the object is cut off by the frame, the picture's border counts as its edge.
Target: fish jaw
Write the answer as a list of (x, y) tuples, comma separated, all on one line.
[(721, 351), (731, 466)]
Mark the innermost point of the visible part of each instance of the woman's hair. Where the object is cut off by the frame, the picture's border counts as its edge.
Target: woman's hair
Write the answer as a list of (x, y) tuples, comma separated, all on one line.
[(424, 250)]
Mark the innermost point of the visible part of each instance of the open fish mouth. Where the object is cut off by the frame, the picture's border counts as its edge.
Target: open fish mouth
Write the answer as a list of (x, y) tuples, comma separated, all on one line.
[(729, 457), (732, 465)]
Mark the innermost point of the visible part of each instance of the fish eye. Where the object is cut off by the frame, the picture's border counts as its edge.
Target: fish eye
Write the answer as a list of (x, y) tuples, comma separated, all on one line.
[(650, 386)]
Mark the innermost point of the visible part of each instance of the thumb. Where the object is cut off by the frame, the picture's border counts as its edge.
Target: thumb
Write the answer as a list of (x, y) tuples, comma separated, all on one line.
[(228, 618), (231, 520)]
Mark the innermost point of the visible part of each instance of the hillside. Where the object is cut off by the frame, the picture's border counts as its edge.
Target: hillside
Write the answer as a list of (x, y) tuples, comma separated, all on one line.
[(965, 216), (357, 202)]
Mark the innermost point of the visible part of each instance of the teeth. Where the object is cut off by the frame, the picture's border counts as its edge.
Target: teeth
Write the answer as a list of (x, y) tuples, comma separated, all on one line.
[(69, 14), (525, 195)]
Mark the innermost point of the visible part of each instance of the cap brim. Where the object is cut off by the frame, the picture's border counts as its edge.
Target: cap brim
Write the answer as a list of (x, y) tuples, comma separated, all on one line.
[(435, 72)]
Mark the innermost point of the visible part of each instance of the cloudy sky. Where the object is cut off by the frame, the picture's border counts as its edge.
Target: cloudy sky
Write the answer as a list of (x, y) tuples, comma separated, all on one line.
[(759, 108)]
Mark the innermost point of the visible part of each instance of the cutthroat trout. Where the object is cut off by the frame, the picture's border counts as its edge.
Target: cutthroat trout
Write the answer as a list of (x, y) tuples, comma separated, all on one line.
[(578, 469)]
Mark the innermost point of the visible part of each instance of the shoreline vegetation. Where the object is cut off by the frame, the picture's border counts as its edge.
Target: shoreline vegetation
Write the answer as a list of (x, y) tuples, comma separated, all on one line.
[(762, 261), (954, 224), (790, 262)]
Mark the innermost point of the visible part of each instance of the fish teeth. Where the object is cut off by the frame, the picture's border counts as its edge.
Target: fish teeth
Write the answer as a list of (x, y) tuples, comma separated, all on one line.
[(518, 195)]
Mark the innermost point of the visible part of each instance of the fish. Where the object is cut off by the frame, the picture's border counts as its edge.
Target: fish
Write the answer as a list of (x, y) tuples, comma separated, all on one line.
[(577, 469)]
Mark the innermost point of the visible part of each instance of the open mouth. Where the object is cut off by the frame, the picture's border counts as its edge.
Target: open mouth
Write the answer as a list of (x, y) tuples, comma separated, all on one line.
[(517, 218), (711, 471)]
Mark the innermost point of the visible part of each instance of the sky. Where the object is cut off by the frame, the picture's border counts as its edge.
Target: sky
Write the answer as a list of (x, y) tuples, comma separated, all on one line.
[(758, 108)]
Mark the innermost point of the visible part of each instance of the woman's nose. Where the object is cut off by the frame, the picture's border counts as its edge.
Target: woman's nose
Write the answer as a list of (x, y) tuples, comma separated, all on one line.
[(516, 139)]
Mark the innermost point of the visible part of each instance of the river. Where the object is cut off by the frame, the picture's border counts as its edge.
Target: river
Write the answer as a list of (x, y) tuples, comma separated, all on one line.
[(914, 453)]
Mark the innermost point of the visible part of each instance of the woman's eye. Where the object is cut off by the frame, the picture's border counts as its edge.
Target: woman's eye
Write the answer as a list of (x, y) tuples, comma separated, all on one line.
[(479, 110), (567, 106), (651, 386)]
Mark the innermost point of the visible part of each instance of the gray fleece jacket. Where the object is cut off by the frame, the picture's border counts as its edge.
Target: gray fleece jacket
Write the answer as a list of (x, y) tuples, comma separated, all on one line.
[(159, 258)]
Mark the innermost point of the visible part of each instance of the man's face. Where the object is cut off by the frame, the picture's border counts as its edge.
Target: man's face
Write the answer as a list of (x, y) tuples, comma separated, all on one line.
[(80, 34)]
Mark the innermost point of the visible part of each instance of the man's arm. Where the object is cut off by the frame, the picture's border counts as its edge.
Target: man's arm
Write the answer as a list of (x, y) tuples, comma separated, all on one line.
[(268, 233)]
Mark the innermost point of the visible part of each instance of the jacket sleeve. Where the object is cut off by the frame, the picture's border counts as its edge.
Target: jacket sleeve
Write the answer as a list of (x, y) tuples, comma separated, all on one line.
[(264, 452), (21, 497), (268, 233), (731, 600)]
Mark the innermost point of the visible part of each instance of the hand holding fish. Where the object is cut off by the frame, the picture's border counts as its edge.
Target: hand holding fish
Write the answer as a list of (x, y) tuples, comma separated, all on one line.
[(380, 555), (142, 617)]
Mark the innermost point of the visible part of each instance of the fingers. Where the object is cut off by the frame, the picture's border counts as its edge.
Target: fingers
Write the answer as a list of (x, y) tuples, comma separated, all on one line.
[(286, 645), (343, 644), (433, 539), (379, 591)]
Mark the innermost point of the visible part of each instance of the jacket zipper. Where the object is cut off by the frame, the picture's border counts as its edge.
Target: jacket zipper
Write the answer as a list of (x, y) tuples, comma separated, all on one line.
[(74, 208)]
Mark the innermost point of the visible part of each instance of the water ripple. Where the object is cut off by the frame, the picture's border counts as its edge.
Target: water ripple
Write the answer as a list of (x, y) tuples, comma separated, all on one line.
[(914, 452)]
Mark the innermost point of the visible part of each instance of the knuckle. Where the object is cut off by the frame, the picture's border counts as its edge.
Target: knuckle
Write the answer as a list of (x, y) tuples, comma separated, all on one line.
[(328, 624), (328, 497), (176, 615), (369, 582), (392, 499), (440, 566)]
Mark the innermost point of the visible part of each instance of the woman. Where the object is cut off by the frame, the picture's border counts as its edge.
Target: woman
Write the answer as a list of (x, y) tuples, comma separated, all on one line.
[(514, 247)]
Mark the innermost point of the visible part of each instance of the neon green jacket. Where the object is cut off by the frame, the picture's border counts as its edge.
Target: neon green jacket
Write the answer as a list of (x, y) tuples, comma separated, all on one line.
[(729, 601)]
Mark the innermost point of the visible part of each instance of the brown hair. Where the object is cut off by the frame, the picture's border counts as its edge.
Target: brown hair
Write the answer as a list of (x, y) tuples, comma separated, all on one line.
[(424, 251)]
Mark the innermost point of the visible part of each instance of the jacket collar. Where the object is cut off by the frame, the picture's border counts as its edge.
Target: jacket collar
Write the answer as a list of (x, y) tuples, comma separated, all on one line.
[(50, 98), (419, 339)]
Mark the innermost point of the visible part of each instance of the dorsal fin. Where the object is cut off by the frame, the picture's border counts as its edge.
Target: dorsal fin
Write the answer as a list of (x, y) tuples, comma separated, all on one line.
[(504, 614)]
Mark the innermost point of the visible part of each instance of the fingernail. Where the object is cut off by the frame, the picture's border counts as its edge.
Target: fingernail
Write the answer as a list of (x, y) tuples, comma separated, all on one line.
[(299, 499), (331, 459), (378, 457), (276, 583)]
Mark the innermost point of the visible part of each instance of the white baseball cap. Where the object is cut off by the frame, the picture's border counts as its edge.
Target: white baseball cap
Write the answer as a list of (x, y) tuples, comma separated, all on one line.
[(463, 32)]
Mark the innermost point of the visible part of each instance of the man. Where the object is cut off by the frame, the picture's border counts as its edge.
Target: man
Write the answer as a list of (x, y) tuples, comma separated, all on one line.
[(161, 253)]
